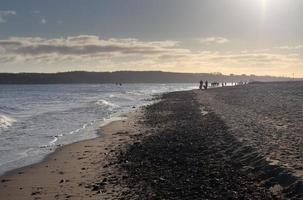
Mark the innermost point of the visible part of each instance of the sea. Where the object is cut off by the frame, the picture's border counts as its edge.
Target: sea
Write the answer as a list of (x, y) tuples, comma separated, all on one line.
[(37, 119)]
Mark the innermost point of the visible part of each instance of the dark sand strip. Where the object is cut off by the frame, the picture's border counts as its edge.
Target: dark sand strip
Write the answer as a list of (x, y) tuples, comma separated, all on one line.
[(188, 156)]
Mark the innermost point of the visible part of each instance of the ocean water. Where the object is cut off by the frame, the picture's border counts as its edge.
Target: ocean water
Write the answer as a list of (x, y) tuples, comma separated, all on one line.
[(36, 119)]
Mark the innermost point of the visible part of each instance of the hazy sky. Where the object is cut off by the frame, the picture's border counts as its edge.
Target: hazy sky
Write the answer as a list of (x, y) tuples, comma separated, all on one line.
[(228, 36)]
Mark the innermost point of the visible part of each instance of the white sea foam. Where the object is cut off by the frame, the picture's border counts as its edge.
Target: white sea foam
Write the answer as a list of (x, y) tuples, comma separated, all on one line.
[(54, 140), (103, 102), (6, 121), (112, 119), (121, 96), (75, 131), (134, 93), (84, 126)]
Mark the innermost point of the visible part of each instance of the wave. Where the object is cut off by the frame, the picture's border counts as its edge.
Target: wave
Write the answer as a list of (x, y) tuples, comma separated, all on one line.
[(105, 103), (122, 97), (56, 137), (8, 110), (134, 93), (6, 121)]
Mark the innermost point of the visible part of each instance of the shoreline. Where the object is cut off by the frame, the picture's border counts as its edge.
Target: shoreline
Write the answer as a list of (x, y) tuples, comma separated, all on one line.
[(185, 146), (119, 117), (40, 125), (14, 183)]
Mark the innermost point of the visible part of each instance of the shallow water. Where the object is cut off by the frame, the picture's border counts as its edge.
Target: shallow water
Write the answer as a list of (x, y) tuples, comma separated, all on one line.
[(35, 119)]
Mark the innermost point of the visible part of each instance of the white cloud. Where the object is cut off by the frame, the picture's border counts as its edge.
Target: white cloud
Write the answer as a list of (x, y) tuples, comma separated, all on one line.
[(297, 47), (6, 13), (36, 12), (213, 40), (43, 21), (83, 47), (135, 54)]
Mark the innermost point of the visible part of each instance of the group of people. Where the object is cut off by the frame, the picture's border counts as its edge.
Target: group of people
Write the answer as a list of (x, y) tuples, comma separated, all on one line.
[(218, 84), (205, 86)]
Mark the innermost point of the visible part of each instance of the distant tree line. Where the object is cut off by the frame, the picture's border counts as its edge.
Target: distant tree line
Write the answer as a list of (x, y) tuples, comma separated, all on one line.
[(128, 77)]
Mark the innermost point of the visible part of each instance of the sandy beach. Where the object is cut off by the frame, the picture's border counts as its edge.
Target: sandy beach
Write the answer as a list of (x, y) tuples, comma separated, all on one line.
[(241, 142), (69, 172), (267, 116)]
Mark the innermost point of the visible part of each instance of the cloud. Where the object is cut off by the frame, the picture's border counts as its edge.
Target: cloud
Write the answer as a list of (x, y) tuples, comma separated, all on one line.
[(43, 21), (83, 46), (6, 13), (213, 40), (134, 54), (297, 47), (36, 12)]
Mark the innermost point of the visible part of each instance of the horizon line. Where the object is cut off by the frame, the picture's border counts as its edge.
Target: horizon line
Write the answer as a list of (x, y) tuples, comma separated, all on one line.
[(210, 73)]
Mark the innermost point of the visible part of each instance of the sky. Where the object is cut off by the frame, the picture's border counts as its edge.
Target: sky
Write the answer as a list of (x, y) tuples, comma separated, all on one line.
[(262, 37)]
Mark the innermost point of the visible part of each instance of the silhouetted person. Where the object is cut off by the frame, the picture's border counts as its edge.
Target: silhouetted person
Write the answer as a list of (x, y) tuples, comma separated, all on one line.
[(206, 85), (201, 85)]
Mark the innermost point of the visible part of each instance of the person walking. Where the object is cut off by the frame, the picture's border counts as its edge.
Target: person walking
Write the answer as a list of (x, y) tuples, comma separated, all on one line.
[(206, 85), (201, 85)]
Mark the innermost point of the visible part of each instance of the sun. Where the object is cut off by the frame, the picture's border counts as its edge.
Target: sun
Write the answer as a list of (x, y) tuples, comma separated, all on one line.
[(264, 4)]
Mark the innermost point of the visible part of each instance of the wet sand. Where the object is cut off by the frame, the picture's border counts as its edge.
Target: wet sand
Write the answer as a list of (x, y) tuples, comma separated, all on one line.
[(69, 172), (189, 145)]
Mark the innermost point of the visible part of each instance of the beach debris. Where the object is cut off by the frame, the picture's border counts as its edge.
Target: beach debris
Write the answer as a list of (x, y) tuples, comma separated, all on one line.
[(5, 180)]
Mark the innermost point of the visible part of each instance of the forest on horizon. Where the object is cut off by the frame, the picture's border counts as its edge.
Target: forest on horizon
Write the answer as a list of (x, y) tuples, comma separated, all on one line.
[(129, 77)]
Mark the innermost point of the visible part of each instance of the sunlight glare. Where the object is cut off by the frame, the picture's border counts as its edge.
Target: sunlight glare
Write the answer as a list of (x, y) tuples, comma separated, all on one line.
[(264, 4)]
